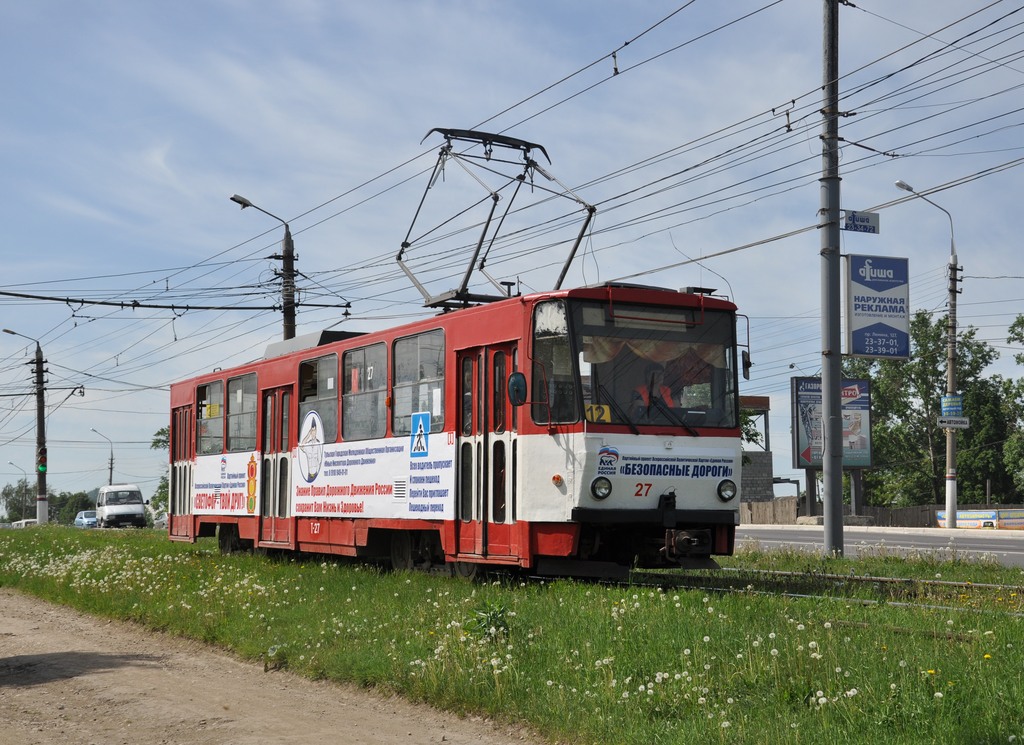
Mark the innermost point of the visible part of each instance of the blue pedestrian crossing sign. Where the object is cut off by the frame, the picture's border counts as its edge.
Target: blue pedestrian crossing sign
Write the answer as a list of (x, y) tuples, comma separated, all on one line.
[(419, 438)]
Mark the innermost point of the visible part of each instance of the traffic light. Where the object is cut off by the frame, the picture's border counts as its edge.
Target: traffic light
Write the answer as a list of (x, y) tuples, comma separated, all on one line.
[(41, 460)]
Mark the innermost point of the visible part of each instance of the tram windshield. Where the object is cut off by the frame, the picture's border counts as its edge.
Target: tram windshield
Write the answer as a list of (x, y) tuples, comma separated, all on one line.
[(634, 365)]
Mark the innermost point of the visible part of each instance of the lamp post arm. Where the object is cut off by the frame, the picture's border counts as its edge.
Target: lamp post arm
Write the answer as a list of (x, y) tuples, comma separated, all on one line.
[(952, 239), (110, 476)]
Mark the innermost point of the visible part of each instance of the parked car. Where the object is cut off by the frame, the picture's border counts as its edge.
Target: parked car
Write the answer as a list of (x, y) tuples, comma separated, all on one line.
[(85, 519), (24, 523)]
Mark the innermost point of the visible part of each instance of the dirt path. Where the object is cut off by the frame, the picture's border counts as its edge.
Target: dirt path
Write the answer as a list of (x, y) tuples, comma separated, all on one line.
[(71, 679)]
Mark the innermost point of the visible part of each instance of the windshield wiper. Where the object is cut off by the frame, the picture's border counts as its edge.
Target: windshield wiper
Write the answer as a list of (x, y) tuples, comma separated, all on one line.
[(673, 416)]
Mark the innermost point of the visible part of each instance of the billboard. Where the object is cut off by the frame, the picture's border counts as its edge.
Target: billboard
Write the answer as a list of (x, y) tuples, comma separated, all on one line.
[(808, 438), (877, 307)]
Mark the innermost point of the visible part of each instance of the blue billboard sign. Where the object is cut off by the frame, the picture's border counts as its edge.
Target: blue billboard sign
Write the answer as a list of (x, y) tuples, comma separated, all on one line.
[(877, 307)]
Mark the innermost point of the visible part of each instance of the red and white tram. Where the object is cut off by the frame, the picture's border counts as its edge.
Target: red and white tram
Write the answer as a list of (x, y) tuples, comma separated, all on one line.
[(566, 432)]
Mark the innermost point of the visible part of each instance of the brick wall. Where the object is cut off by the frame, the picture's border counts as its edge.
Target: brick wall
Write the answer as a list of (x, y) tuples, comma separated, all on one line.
[(757, 476)]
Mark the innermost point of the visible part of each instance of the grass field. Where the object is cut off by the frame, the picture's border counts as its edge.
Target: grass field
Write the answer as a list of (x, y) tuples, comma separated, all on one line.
[(582, 662)]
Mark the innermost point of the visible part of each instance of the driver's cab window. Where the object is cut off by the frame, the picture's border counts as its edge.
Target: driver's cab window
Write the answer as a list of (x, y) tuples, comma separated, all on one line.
[(554, 385)]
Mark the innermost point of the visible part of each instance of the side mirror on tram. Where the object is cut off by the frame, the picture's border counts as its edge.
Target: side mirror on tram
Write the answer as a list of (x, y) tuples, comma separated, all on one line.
[(517, 388)]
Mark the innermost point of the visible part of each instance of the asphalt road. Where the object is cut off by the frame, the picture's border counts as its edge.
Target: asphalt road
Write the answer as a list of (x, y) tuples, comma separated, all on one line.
[(1005, 546)]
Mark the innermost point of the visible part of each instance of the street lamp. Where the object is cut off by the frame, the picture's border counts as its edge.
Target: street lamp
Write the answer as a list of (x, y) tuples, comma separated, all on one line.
[(21, 497), (110, 478), (950, 360), (287, 268), (42, 507)]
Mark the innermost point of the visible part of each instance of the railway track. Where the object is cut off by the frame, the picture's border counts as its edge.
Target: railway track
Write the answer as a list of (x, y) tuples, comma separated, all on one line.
[(937, 594)]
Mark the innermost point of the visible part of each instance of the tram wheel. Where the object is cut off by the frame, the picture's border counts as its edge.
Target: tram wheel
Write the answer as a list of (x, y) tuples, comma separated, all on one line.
[(465, 570), (227, 539), (401, 551)]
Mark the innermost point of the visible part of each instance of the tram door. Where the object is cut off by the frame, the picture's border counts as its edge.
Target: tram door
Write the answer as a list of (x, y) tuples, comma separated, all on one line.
[(486, 447), (179, 488), (275, 471)]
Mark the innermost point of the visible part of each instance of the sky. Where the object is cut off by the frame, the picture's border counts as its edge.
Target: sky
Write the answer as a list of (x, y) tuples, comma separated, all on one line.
[(693, 127)]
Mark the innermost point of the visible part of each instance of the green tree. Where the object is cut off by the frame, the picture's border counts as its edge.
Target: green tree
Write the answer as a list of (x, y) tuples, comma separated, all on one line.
[(907, 444), (69, 504), (1016, 336), (1013, 448), (19, 500), (161, 441), (994, 406)]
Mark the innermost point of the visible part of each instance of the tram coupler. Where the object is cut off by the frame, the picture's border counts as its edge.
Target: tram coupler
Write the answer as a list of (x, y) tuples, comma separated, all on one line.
[(686, 543)]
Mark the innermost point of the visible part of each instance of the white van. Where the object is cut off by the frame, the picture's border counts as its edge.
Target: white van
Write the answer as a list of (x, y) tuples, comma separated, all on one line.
[(119, 505)]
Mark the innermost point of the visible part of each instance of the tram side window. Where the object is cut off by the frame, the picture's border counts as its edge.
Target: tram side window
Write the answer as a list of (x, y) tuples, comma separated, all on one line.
[(241, 413), (210, 418), (554, 386), (364, 414), (318, 391), (418, 381)]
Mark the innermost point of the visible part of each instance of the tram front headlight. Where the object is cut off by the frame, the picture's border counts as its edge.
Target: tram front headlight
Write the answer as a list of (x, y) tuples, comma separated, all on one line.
[(727, 490), (601, 488)]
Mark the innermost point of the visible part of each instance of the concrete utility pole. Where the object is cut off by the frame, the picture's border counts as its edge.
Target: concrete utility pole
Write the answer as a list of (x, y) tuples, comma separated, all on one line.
[(42, 503), (831, 288), (951, 488), (287, 268)]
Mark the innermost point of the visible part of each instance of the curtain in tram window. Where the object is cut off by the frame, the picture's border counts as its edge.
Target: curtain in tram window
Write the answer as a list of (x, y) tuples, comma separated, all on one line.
[(653, 350), (600, 349)]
